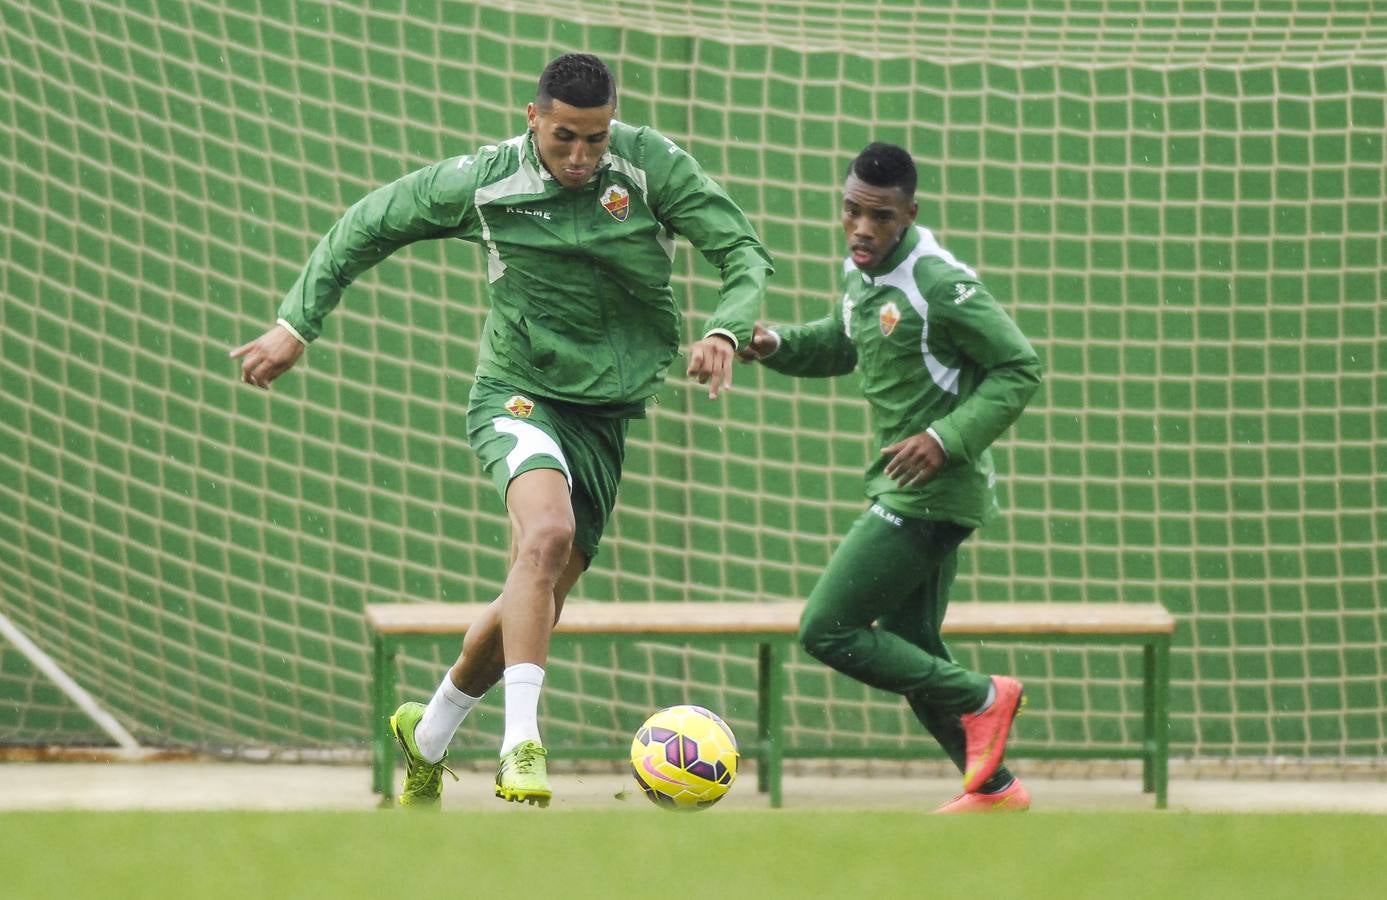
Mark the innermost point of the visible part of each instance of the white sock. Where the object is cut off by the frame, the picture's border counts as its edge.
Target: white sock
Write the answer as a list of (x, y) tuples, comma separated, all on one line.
[(445, 712), (523, 681), (991, 696)]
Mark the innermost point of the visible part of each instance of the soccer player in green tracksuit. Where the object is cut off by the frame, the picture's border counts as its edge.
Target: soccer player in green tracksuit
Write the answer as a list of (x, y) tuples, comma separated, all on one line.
[(576, 217), (945, 371)]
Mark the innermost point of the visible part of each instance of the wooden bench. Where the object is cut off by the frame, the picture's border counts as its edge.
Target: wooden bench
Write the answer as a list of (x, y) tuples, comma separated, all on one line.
[(767, 630)]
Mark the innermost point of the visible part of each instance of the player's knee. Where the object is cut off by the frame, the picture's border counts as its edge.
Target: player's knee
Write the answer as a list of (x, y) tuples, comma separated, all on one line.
[(547, 543), (822, 639)]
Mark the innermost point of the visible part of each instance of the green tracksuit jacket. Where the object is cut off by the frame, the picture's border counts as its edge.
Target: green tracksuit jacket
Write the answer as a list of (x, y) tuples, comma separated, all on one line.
[(937, 352), (581, 305)]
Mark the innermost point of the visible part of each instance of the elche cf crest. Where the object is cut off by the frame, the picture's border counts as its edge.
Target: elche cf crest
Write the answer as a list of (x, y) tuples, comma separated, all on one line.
[(617, 201), (889, 317), (520, 407)]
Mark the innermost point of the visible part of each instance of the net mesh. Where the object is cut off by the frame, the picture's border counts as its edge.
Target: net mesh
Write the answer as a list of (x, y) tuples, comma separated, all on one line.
[(1180, 203)]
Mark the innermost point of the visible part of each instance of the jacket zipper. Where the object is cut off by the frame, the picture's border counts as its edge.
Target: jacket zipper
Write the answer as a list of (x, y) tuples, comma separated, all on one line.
[(597, 291)]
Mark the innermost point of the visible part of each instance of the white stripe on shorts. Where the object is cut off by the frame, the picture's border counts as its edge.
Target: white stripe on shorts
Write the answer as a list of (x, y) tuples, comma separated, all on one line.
[(529, 441)]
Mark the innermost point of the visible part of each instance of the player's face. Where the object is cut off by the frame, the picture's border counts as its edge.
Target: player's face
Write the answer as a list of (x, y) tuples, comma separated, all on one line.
[(874, 220), (570, 139)]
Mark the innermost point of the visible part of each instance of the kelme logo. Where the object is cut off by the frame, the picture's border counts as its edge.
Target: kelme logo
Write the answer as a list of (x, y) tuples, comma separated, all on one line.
[(520, 407), (890, 317), (617, 201)]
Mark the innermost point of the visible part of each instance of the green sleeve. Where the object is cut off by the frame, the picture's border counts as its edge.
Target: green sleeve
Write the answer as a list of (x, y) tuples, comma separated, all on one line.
[(987, 335), (690, 203), (429, 203), (817, 349)]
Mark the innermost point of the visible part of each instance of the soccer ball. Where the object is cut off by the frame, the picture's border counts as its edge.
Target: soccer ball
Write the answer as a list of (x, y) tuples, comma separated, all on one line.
[(684, 758)]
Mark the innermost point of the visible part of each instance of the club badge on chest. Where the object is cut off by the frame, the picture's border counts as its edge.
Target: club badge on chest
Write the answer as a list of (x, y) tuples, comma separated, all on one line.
[(616, 201), (889, 317)]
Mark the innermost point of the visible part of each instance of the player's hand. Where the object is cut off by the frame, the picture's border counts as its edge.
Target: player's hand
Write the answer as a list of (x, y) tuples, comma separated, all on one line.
[(763, 343), (710, 361), (268, 356), (914, 460)]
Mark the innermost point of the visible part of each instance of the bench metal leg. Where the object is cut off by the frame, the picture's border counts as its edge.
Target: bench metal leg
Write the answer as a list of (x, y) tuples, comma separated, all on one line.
[(1148, 718), (763, 717), (775, 688), (382, 696), (1162, 720), (770, 745), (1155, 744)]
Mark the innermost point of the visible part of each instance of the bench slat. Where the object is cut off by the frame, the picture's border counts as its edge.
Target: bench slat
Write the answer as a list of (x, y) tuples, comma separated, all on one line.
[(592, 617)]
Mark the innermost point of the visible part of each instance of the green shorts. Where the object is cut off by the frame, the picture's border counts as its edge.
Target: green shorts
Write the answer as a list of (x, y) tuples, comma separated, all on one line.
[(513, 432)]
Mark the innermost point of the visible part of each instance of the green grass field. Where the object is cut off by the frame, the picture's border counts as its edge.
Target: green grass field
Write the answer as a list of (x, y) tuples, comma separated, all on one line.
[(710, 856)]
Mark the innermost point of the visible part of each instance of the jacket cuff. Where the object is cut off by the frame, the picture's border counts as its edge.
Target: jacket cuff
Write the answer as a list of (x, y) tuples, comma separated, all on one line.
[(938, 440), (723, 332), (284, 323), (949, 440)]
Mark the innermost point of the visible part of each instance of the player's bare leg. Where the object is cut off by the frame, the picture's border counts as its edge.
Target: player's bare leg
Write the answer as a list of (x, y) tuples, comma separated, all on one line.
[(483, 660), (541, 516), (542, 529), (425, 732), (478, 668)]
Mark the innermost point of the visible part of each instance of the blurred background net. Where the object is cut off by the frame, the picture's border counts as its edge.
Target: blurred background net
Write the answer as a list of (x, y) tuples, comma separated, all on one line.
[(1181, 204)]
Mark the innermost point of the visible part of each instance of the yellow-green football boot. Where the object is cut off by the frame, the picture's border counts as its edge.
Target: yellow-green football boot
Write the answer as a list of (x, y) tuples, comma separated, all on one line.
[(523, 775), (423, 780)]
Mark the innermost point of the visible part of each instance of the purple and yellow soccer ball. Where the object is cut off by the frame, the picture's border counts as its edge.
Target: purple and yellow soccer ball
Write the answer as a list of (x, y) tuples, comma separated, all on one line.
[(684, 758)]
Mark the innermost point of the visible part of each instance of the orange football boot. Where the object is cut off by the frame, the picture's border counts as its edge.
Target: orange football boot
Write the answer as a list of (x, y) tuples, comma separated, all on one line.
[(1012, 798), (986, 733)]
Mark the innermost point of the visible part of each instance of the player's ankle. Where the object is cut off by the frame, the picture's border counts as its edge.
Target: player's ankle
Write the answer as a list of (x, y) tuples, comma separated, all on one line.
[(989, 700)]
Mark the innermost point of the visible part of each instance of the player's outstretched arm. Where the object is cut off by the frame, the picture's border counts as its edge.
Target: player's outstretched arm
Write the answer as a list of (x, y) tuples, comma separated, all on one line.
[(268, 356), (818, 349), (710, 361)]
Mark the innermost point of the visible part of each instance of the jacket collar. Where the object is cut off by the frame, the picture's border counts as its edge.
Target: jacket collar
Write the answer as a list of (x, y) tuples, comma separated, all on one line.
[(531, 153)]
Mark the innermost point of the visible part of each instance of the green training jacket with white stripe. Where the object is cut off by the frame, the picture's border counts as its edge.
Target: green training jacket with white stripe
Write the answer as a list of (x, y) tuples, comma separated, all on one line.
[(936, 352), (578, 279)]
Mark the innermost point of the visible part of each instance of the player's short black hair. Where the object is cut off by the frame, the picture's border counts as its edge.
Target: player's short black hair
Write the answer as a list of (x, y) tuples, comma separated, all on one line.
[(578, 79), (885, 165)]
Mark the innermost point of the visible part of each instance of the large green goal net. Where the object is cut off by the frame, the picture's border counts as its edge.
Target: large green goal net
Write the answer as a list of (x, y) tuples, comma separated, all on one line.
[(1181, 203)]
